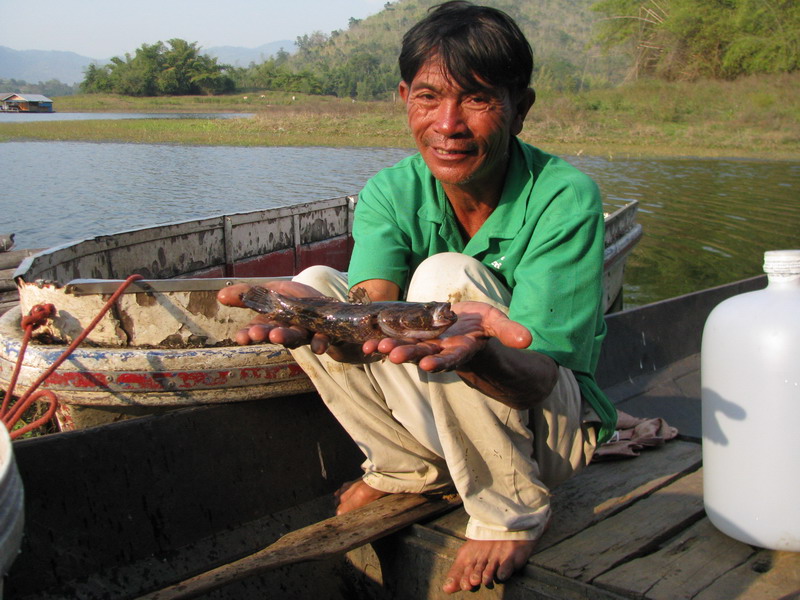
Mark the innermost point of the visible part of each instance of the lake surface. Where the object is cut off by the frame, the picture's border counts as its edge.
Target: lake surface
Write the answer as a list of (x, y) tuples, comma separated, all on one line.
[(706, 222), (22, 117)]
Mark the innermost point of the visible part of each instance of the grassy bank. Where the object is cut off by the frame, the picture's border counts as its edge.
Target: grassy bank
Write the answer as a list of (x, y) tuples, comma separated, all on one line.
[(756, 117)]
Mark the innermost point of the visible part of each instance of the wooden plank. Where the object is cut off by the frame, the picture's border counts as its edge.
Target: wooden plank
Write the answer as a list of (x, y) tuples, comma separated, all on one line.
[(683, 568), (319, 541), (601, 490), (12, 258), (414, 564), (6, 306), (7, 279), (768, 575), (607, 488), (627, 534)]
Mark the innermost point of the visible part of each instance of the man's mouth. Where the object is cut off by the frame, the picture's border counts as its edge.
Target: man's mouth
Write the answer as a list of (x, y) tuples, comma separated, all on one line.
[(452, 151)]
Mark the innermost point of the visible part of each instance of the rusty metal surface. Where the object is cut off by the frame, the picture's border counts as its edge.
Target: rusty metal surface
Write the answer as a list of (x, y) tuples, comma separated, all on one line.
[(82, 287)]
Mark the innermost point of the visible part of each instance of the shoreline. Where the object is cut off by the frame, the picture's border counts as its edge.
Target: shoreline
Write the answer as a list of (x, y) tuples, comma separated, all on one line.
[(337, 132), (194, 132), (752, 118)]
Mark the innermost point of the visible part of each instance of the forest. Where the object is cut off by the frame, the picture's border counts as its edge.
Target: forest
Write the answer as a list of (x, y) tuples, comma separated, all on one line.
[(578, 45)]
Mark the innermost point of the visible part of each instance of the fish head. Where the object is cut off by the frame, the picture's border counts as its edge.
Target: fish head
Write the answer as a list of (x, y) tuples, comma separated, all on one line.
[(442, 315), (416, 321)]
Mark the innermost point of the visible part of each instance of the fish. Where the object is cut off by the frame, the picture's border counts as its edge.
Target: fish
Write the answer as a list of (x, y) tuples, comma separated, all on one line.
[(357, 320)]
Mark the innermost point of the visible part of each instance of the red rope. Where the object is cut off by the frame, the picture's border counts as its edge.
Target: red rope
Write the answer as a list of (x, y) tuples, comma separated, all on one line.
[(36, 317)]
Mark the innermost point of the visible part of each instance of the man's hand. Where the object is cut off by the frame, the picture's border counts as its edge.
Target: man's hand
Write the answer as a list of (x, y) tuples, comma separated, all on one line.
[(262, 330), (487, 350), (477, 322)]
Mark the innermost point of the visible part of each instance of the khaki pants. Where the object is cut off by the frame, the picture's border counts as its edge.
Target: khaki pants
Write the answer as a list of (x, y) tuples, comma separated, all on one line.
[(425, 432)]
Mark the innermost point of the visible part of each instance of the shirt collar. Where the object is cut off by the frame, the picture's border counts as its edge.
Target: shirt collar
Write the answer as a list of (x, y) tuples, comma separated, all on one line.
[(509, 216)]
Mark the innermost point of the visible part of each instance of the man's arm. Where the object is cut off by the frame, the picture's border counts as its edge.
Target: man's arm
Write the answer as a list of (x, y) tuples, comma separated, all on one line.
[(487, 350), (517, 378), (380, 290)]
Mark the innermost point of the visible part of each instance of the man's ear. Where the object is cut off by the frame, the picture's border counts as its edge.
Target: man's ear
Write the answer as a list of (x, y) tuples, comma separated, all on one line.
[(521, 108), (403, 89)]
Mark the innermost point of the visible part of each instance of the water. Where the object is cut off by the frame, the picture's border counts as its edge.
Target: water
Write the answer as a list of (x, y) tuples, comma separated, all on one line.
[(706, 222), (56, 192), (21, 117)]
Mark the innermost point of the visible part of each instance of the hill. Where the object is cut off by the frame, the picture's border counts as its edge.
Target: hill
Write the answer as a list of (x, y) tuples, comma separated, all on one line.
[(561, 33), (242, 57), (361, 61), (34, 66), (42, 65)]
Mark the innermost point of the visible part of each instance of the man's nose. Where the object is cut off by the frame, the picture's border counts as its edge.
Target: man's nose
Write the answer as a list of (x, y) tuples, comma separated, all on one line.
[(450, 118)]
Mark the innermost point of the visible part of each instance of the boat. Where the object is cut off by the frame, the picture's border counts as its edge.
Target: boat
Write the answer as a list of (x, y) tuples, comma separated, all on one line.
[(130, 509), (166, 342)]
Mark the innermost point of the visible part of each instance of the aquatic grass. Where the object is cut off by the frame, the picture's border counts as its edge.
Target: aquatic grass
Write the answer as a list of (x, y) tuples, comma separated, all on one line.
[(757, 117)]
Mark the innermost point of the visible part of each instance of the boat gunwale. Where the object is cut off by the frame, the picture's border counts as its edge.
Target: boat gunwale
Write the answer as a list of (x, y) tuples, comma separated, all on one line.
[(78, 249)]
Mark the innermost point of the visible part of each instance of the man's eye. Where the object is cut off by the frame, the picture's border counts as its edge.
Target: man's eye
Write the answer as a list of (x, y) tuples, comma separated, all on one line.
[(426, 100), (478, 100)]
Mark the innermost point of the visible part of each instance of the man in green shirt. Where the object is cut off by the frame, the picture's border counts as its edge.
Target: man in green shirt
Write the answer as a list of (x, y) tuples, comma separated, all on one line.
[(504, 405)]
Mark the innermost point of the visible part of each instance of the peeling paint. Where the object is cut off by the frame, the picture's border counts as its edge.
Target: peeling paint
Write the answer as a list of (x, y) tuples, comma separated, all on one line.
[(146, 300), (203, 303)]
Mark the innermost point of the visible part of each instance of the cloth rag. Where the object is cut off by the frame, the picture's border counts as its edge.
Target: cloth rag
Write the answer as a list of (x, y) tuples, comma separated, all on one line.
[(634, 434)]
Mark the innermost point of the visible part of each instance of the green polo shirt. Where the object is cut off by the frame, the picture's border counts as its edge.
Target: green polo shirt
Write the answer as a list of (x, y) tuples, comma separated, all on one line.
[(544, 241)]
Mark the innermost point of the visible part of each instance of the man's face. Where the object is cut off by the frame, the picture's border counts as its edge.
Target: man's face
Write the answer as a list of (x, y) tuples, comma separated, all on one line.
[(462, 136)]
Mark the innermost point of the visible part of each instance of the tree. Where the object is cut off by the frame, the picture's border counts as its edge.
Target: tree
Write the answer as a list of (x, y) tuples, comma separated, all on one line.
[(768, 40), (177, 68), (96, 79), (686, 39)]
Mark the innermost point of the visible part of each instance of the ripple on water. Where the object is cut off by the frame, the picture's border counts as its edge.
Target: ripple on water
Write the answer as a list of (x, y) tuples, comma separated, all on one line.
[(706, 222)]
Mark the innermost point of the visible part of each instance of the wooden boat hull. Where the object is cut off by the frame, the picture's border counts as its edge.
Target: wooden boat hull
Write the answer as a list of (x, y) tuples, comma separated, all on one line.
[(167, 343), (127, 508)]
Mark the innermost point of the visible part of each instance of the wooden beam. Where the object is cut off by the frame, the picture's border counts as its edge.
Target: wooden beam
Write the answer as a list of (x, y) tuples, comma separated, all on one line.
[(319, 541)]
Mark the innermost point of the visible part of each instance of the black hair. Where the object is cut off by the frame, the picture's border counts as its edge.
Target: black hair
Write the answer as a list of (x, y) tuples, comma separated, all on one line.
[(478, 45)]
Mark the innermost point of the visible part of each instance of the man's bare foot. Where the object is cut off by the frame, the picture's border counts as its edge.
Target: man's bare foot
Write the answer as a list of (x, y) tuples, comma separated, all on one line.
[(482, 562), (355, 494)]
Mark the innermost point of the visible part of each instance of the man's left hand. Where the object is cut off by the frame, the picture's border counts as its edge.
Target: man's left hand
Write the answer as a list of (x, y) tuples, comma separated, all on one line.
[(477, 322)]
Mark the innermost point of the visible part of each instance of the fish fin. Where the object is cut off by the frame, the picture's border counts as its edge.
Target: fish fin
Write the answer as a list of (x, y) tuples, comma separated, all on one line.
[(359, 295), (260, 299)]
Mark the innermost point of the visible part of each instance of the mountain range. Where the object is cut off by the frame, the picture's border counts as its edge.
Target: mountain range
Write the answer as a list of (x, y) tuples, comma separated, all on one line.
[(34, 66)]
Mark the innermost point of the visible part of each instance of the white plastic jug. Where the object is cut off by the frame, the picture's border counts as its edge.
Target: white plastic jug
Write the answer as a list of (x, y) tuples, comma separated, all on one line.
[(11, 505), (750, 373)]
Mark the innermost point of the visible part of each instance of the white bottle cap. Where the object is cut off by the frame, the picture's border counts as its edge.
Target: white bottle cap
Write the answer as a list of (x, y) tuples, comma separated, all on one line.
[(782, 262)]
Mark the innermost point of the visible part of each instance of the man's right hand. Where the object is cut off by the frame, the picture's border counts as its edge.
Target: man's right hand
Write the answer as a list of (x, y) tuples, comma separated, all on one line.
[(262, 330)]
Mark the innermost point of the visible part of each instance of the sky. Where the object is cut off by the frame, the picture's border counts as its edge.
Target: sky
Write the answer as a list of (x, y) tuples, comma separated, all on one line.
[(104, 28)]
